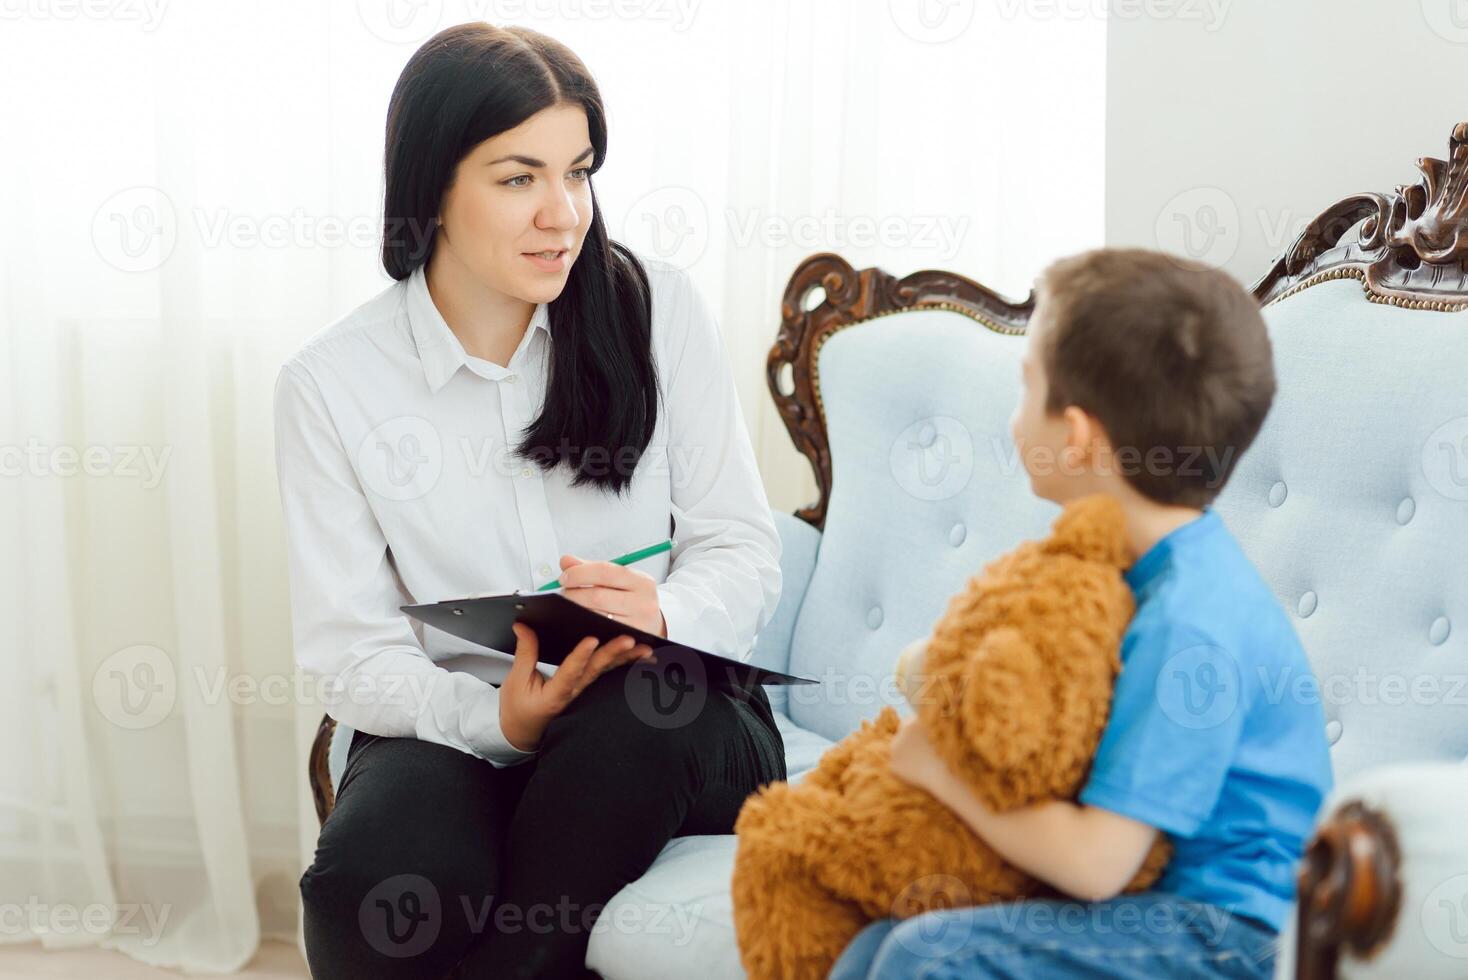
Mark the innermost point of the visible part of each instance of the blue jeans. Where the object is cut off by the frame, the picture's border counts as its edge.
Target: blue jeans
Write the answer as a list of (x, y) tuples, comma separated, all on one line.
[(1131, 937)]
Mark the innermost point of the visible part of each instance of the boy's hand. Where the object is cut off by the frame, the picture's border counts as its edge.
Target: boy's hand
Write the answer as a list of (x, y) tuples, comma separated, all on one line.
[(914, 760), (1086, 852)]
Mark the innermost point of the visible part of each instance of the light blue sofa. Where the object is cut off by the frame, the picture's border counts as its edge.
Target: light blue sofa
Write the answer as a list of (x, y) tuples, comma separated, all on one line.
[(1353, 503)]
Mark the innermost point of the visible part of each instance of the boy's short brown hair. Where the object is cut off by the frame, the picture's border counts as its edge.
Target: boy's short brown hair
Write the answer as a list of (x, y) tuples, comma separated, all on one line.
[(1171, 357)]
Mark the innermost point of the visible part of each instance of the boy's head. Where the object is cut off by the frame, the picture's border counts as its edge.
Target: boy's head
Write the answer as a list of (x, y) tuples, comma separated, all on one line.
[(1144, 375)]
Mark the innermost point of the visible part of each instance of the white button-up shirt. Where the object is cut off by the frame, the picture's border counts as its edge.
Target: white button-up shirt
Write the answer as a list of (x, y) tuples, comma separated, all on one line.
[(398, 485)]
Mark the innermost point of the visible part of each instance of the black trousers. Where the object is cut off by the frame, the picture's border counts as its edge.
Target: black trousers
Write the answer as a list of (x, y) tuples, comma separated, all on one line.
[(435, 863)]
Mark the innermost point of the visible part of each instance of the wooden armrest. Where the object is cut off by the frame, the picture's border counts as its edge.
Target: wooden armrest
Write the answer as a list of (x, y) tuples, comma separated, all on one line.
[(318, 773), (1349, 890)]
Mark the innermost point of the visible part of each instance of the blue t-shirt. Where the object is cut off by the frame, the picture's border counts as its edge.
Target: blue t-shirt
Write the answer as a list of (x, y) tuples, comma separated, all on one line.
[(1216, 734)]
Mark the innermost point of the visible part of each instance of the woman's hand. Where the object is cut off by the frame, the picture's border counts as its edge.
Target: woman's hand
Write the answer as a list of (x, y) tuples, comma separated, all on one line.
[(623, 593), (914, 760), (529, 699)]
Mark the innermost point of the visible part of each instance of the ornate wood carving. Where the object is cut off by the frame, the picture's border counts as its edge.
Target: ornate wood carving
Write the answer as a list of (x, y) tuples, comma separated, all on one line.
[(1349, 890), (851, 297), (1413, 245), (317, 773)]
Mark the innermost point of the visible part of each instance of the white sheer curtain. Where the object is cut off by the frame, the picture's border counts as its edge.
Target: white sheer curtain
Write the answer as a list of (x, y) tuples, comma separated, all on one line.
[(191, 189)]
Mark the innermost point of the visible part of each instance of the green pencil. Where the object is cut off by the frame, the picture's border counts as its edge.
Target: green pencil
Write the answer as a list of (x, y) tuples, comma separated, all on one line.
[(626, 559)]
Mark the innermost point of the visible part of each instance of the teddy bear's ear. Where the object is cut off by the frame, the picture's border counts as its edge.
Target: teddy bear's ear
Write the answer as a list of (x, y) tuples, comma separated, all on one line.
[(1092, 528)]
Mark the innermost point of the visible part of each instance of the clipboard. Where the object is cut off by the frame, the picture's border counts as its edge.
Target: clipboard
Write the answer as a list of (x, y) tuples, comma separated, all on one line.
[(560, 624)]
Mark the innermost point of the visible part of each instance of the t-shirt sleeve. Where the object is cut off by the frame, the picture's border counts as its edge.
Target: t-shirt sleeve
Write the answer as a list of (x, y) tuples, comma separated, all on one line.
[(1174, 729)]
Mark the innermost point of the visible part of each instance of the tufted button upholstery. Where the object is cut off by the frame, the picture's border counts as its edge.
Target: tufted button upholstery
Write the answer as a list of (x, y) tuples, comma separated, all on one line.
[(1373, 515)]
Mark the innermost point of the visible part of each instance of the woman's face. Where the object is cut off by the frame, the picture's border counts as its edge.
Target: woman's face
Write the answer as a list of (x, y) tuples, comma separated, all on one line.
[(519, 205)]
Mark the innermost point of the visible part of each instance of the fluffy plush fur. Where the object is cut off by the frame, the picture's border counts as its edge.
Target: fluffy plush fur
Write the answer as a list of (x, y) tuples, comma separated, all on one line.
[(1013, 687)]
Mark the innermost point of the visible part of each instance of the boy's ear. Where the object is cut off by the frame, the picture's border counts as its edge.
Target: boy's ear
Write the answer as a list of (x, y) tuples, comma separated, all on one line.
[(1085, 438)]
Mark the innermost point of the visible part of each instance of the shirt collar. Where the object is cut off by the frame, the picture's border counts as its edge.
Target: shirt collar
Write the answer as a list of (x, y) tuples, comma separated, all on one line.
[(439, 349), (1147, 567)]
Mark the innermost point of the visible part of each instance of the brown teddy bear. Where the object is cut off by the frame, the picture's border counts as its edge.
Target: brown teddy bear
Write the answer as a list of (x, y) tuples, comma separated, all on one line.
[(1014, 689)]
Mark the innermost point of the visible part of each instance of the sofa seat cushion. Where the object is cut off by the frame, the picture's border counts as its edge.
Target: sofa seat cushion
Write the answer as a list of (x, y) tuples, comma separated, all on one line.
[(676, 921)]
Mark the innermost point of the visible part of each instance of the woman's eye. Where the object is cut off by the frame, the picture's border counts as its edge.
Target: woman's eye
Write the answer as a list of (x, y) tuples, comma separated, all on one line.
[(581, 173), (519, 180)]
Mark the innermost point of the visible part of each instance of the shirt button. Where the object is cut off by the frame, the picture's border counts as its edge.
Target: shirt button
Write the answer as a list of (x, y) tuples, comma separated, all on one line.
[(525, 471), (513, 378), (545, 569)]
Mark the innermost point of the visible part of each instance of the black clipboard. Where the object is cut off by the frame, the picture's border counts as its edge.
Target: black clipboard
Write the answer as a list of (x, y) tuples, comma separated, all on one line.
[(560, 624)]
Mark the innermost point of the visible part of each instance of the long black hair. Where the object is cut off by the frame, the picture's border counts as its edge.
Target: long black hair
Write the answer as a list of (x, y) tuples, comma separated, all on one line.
[(464, 85)]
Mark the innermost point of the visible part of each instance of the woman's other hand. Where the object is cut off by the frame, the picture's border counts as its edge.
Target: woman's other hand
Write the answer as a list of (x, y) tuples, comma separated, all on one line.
[(529, 699)]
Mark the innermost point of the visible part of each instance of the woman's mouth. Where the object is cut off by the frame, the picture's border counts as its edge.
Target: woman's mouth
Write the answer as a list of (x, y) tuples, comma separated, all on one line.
[(551, 261)]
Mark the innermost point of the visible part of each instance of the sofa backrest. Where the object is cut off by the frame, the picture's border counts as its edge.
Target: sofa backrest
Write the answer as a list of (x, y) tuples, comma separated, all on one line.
[(1353, 501)]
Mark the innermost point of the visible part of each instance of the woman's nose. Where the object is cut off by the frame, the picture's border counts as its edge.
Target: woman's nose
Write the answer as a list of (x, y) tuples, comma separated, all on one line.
[(559, 212)]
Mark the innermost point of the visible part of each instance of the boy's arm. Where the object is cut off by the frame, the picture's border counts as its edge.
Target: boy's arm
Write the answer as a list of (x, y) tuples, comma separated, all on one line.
[(1086, 852)]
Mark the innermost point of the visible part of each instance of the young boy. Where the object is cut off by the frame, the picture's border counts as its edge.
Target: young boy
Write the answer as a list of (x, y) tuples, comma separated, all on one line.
[(1145, 378)]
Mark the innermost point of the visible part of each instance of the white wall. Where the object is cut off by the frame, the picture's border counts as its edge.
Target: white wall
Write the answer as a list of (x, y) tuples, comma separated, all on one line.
[(1248, 117)]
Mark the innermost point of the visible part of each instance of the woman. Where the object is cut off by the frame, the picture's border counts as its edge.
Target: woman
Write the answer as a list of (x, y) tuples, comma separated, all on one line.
[(529, 396)]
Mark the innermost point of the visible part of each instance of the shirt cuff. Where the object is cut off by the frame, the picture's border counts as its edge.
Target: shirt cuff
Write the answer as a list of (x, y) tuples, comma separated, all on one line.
[(486, 738), (674, 615), (680, 613)]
